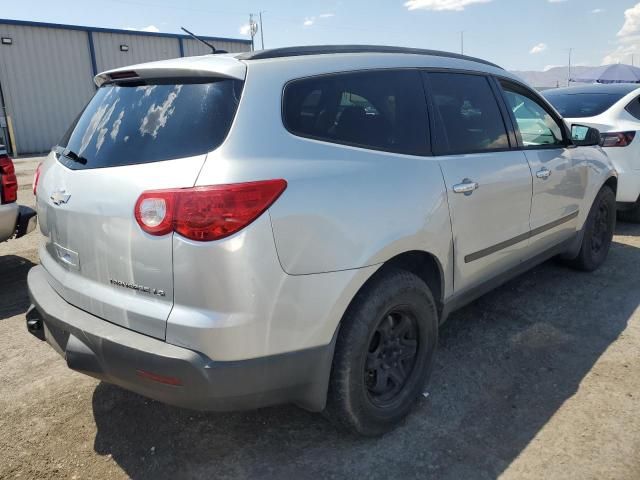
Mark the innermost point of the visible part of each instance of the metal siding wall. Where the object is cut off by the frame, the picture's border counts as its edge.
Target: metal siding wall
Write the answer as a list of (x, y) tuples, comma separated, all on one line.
[(234, 47), (141, 49), (46, 79), (193, 47)]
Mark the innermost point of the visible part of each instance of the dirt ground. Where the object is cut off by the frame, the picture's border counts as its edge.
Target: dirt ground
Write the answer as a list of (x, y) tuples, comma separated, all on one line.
[(539, 379)]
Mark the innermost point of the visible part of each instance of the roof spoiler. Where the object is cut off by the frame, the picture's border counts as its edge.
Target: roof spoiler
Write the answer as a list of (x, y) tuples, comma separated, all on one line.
[(207, 66)]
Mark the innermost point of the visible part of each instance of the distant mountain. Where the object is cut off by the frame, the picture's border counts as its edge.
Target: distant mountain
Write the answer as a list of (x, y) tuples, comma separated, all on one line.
[(551, 78)]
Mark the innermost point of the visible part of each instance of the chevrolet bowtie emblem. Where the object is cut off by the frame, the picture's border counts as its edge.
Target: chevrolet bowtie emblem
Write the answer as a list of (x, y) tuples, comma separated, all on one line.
[(59, 197)]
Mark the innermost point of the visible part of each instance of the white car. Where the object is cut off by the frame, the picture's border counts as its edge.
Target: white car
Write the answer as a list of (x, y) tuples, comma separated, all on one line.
[(615, 111)]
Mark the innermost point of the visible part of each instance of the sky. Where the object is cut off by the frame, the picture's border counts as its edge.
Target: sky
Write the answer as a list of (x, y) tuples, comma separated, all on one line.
[(516, 34)]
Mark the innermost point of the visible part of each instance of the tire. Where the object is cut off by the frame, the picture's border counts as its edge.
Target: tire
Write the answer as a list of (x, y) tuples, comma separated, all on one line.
[(631, 215), (394, 313), (598, 232)]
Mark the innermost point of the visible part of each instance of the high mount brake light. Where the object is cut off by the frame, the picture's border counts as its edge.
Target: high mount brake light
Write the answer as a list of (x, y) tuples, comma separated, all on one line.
[(206, 213), (616, 139), (8, 180), (123, 75)]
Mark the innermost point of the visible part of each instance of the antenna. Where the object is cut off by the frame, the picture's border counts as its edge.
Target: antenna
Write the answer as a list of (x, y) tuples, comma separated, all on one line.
[(213, 49)]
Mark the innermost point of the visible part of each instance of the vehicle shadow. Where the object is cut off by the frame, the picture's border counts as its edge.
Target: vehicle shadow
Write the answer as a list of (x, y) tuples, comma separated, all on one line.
[(505, 365), (627, 228), (14, 296)]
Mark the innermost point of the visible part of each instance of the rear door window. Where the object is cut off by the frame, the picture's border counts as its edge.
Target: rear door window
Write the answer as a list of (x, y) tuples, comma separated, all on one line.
[(381, 110), (141, 123), (467, 115)]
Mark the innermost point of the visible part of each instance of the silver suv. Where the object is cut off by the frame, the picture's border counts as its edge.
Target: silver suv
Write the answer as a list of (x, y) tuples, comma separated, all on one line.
[(294, 225)]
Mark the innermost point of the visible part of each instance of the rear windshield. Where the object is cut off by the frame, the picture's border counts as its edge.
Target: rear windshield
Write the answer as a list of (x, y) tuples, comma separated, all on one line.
[(578, 105), (131, 124)]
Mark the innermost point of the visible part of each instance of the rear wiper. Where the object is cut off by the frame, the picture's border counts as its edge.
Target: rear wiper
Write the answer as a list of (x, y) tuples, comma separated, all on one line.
[(71, 155), (74, 156)]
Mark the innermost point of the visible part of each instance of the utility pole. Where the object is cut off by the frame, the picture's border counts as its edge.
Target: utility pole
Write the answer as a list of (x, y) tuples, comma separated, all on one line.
[(253, 28), (261, 31), (569, 71), (461, 42)]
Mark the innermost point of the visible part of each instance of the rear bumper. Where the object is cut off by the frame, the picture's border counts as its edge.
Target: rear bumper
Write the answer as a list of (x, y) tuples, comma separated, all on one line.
[(27, 221), (16, 221), (131, 360), (627, 163), (628, 186)]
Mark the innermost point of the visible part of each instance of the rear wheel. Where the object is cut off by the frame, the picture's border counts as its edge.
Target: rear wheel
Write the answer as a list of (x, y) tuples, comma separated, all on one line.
[(631, 215), (598, 232), (384, 353)]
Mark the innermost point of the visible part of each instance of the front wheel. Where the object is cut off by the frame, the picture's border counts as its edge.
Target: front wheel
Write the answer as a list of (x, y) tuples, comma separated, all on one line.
[(384, 353), (598, 232)]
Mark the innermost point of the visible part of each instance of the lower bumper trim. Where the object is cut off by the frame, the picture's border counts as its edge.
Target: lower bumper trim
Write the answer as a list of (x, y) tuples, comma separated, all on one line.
[(115, 354)]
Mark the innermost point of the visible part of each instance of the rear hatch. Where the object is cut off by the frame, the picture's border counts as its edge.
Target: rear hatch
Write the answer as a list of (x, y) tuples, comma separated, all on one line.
[(139, 133)]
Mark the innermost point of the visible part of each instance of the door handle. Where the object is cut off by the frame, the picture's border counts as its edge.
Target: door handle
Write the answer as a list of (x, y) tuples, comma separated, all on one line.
[(543, 173), (467, 187)]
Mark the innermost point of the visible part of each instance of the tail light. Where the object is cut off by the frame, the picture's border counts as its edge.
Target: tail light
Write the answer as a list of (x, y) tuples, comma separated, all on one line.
[(8, 180), (616, 139), (206, 213), (36, 178)]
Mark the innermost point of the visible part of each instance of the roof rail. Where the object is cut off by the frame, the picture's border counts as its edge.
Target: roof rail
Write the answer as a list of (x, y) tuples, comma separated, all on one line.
[(330, 49)]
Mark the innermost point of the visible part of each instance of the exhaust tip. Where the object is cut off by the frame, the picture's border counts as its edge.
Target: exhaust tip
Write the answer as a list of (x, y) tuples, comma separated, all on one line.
[(34, 323)]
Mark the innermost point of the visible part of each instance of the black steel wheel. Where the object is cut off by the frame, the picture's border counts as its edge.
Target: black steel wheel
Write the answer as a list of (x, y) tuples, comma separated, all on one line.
[(601, 229), (384, 353), (391, 356), (598, 232)]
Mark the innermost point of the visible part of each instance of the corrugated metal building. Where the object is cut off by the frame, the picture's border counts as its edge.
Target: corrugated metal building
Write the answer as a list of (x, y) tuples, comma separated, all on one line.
[(47, 70)]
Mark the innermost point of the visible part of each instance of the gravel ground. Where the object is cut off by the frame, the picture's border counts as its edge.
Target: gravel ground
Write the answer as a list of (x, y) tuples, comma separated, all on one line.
[(539, 379)]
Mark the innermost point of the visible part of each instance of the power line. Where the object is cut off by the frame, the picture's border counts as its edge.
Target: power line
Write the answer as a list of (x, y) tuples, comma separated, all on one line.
[(291, 20), (239, 14)]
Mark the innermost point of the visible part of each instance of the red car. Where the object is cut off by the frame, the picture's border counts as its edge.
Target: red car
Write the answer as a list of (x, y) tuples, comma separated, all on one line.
[(15, 220)]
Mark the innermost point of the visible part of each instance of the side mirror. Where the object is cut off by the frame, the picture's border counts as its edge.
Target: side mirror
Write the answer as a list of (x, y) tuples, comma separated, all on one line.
[(583, 136)]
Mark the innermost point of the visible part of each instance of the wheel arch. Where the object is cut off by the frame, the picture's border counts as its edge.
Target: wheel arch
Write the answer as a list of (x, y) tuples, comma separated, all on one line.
[(612, 182), (421, 263)]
